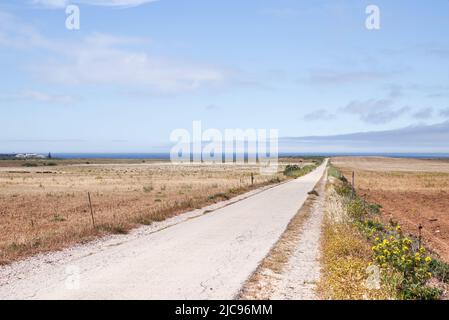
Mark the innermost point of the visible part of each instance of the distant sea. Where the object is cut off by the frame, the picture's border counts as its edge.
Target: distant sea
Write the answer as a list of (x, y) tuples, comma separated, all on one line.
[(165, 156), (162, 156)]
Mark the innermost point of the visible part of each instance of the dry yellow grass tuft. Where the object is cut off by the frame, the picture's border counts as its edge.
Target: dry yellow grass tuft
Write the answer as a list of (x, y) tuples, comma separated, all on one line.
[(346, 255)]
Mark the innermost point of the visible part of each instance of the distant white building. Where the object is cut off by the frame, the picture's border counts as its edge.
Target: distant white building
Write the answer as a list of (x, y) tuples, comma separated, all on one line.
[(29, 156)]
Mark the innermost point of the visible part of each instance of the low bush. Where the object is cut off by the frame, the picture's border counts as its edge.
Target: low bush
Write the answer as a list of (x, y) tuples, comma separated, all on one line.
[(440, 270), (370, 228), (356, 209), (29, 164), (374, 208), (344, 190), (334, 172), (295, 171), (219, 196), (275, 180), (419, 292)]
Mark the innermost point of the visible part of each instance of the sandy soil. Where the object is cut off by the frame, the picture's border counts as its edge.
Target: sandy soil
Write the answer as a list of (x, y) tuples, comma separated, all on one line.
[(412, 192), (206, 257)]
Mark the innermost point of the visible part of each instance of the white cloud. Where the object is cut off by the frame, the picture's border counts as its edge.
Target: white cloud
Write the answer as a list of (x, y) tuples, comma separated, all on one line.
[(425, 113), (15, 34), (44, 97), (336, 9), (378, 110), (102, 59), (51, 3), (97, 39), (40, 97), (56, 4), (375, 111), (320, 114), (444, 112), (281, 12), (339, 77)]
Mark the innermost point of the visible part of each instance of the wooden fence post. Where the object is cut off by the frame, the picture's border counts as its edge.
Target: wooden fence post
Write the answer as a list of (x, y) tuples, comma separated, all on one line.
[(353, 184), (91, 210), (419, 236)]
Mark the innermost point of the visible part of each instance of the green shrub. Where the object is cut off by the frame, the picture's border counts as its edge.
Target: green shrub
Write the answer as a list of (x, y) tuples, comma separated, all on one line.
[(29, 164), (440, 270), (374, 208), (370, 228), (219, 196), (295, 171), (233, 190), (417, 291), (344, 190), (356, 209), (334, 172), (58, 218), (289, 169)]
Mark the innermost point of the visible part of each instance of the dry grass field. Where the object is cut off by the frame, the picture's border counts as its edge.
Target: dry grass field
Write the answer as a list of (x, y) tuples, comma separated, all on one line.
[(46, 207), (412, 192)]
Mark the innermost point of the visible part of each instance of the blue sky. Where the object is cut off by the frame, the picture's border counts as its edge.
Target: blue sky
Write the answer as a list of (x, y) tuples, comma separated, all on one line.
[(136, 70)]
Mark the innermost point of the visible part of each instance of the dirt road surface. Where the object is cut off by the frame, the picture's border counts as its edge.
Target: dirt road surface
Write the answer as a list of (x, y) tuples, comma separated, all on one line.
[(205, 257)]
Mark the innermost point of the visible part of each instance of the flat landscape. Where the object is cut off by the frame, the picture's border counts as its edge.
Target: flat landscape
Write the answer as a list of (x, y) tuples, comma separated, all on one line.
[(412, 192), (44, 204)]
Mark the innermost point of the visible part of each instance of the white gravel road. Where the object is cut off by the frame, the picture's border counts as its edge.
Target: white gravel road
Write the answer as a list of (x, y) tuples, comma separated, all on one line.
[(201, 257)]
